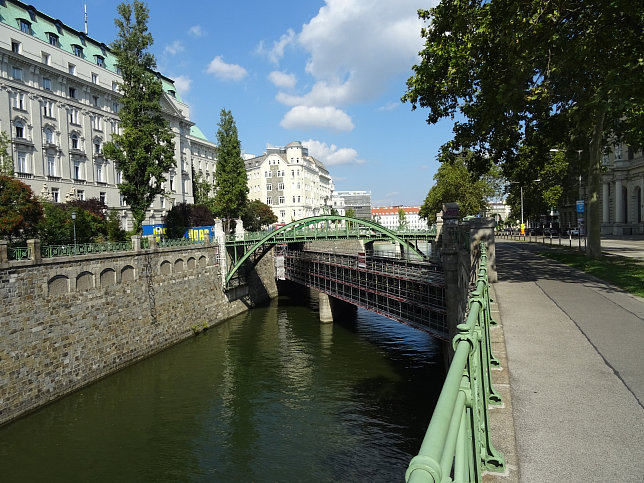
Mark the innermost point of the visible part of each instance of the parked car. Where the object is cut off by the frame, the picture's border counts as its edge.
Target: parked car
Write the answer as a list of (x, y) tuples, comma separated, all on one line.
[(573, 232)]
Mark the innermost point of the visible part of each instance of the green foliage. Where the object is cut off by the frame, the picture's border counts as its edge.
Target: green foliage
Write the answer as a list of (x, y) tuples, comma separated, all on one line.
[(257, 215), (145, 150), (115, 232), (200, 188), (512, 69), (183, 216), (231, 186), (456, 184), (402, 219), (20, 210), (57, 225), (350, 212), (6, 161)]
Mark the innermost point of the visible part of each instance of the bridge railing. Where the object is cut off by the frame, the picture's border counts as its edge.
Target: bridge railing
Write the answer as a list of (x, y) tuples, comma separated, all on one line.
[(457, 444)]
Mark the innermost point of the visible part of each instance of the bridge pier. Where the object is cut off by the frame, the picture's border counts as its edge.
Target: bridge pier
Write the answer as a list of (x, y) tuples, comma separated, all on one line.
[(326, 315)]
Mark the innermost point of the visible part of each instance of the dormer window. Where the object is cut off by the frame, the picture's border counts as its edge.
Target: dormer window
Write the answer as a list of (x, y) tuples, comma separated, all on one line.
[(172, 93), (77, 50), (53, 39), (82, 38), (59, 26), (103, 49), (24, 25), (100, 60), (32, 14)]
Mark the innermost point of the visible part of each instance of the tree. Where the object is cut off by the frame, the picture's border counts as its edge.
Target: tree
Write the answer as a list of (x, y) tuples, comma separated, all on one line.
[(512, 68), (455, 183), (57, 226), (145, 150), (115, 232), (231, 187), (183, 216), (6, 161), (20, 210), (200, 188), (258, 214), (402, 218), (350, 212)]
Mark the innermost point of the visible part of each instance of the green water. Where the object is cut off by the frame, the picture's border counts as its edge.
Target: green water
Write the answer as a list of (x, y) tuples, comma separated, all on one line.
[(271, 395)]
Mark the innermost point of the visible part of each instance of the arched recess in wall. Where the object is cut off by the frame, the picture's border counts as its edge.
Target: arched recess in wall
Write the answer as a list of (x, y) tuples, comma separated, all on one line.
[(178, 265), (84, 281), (108, 277), (165, 268), (203, 261), (192, 263), (127, 273), (58, 285)]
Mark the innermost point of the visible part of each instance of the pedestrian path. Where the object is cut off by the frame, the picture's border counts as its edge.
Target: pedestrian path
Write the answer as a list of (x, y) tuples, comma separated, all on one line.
[(573, 373)]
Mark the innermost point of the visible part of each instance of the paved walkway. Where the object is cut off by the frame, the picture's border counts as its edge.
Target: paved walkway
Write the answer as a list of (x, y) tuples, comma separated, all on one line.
[(575, 367)]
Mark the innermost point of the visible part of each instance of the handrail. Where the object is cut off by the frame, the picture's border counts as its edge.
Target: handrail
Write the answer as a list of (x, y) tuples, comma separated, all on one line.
[(457, 444)]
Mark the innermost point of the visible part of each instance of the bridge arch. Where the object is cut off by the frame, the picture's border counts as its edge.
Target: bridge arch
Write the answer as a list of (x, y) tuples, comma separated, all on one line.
[(280, 235)]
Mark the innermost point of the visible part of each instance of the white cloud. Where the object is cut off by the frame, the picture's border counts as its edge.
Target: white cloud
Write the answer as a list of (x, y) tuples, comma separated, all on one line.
[(182, 83), (356, 48), (282, 79), (389, 106), (331, 155), (196, 31), (275, 53), (224, 71), (328, 117), (174, 48)]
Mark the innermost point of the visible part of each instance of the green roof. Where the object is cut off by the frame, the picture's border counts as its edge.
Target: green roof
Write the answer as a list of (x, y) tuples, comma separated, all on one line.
[(196, 132)]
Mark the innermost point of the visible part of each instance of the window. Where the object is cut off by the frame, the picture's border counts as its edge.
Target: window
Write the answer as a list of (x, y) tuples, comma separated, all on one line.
[(94, 78), (171, 183), (95, 101), (48, 108), (16, 47), (49, 135), (269, 187), (267, 174), (269, 200), (22, 162), (292, 173), (77, 170), (46, 83), (299, 199), (280, 186), (118, 177), (97, 146), (281, 200), (293, 199), (115, 85), (51, 165), (115, 107), (118, 70), (172, 93), (77, 50), (80, 195), (72, 92), (19, 101), (99, 173), (100, 61), (97, 124), (122, 200), (73, 116), (46, 58), (71, 68), (20, 130), (53, 39), (16, 73), (55, 194), (75, 143), (24, 26), (102, 197)]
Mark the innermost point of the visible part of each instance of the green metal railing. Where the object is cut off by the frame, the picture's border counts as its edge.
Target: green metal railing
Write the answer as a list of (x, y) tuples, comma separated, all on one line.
[(19, 253), (51, 251), (457, 444)]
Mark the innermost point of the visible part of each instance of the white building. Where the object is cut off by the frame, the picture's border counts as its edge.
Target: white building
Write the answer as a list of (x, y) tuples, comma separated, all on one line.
[(389, 217), (59, 104), (294, 184)]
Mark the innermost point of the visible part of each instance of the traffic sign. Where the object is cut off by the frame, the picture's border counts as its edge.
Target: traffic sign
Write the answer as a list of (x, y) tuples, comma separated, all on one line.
[(580, 206)]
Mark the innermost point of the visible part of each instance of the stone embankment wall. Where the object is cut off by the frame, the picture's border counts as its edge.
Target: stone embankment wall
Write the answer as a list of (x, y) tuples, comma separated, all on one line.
[(69, 321)]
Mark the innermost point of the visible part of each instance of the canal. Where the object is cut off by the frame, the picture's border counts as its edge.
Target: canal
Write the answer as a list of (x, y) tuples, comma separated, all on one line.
[(270, 395)]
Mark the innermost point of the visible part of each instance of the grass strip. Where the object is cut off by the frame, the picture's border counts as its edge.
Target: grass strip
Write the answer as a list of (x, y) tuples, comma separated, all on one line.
[(623, 272)]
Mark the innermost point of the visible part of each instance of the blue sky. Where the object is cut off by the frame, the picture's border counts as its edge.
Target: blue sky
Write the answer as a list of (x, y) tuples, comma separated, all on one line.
[(327, 73)]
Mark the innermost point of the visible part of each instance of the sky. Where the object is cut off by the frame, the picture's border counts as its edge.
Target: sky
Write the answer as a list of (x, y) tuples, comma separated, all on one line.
[(328, 73)]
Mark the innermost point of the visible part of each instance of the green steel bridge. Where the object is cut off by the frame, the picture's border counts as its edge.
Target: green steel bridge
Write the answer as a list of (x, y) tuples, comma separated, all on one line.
[(254, 245)]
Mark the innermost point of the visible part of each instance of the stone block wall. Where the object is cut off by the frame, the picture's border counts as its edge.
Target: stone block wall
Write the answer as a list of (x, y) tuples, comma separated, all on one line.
[(69, 321)]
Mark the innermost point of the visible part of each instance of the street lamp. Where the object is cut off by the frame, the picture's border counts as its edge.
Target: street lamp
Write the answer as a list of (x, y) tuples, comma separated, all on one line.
[(74, 220), (521, 187)]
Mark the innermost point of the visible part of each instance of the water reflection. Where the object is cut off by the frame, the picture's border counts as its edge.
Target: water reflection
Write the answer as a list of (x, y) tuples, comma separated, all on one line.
[(270, 395)]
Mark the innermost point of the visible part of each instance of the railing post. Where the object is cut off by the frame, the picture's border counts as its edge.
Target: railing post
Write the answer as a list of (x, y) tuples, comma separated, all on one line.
[(34, 247), (4, 254), (136, 243)]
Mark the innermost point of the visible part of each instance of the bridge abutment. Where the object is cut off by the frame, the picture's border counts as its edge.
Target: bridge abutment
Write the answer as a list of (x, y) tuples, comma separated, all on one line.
[(326, 314)]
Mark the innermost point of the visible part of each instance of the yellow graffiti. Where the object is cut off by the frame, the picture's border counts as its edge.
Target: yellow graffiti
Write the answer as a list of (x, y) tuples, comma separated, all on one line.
[(198, 234)]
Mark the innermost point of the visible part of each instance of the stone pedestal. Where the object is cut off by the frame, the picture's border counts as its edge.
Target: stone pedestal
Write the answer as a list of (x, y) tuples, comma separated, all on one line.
[(326, 316)]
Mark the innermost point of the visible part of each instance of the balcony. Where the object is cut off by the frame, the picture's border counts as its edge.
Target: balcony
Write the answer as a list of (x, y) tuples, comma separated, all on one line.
[(24, 175)]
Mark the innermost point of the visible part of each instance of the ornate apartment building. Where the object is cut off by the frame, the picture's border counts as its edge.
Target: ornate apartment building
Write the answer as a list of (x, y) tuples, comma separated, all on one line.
[(389, 217), (294, 184), (59, 104)]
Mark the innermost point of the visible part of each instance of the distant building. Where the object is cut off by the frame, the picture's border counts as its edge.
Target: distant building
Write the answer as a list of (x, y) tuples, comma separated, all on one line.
[(59, 104), (358, 201), (294, 184), (389, 217), (498, 210)]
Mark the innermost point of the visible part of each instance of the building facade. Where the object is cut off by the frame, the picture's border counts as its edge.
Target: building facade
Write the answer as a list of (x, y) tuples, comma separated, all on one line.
[(621, 195), (59, 104), (358, 201), (389, 217), (294, 184)]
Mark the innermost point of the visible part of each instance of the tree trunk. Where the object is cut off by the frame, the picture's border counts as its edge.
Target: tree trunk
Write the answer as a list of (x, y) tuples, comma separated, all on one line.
[(594, 214)]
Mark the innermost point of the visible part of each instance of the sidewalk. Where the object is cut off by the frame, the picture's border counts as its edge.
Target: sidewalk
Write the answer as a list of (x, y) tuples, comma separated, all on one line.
[(575, 367)]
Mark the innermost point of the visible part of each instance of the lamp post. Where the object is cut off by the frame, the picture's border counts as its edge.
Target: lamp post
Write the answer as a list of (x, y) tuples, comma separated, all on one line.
[(521, 188), (74, 220)]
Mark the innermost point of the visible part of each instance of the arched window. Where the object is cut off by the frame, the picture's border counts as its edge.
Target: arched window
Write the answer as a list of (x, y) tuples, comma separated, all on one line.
[(75, 144), (20, 129), (49, 135)]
